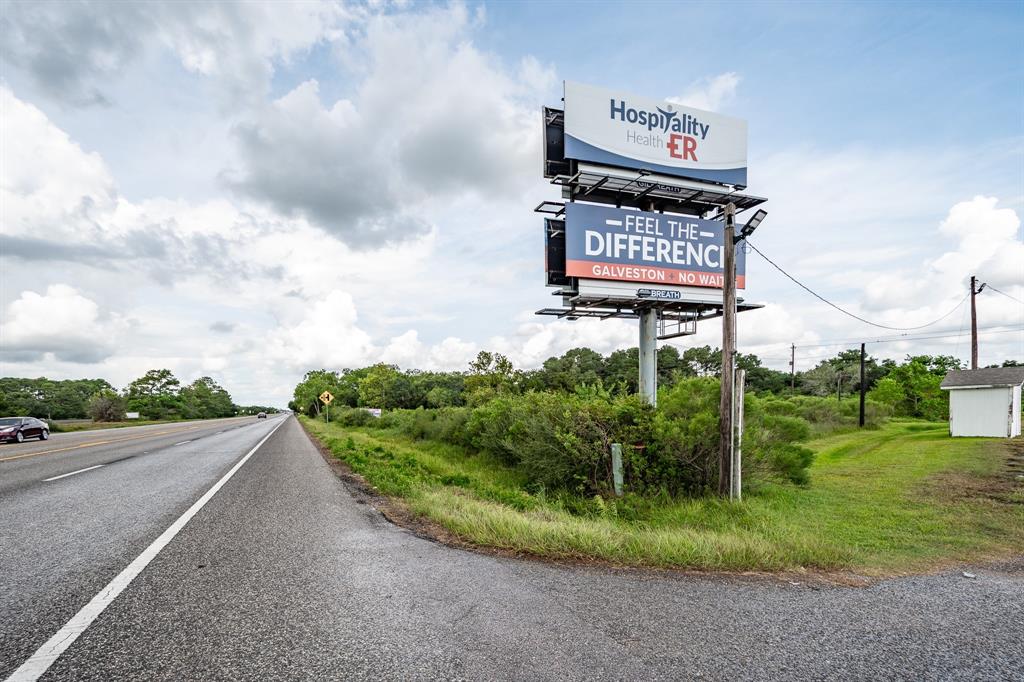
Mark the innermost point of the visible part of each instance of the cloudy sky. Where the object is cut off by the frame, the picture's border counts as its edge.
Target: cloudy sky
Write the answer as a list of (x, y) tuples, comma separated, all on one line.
[(249, 191)]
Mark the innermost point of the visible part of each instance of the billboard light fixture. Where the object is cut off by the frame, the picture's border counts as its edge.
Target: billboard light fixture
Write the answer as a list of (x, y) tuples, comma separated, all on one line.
[(751, 225)]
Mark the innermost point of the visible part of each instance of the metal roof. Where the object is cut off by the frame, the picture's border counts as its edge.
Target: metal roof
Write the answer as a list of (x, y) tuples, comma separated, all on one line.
[(990, 376)]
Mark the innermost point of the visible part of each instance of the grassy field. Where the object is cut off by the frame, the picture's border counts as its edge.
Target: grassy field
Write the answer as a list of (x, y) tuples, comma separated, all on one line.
[(77, 425), (85, 425), (902, 498)]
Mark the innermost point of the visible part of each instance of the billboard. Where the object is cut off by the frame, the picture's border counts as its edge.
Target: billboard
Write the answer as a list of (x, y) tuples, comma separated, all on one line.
[(618, 129), (619, 244)]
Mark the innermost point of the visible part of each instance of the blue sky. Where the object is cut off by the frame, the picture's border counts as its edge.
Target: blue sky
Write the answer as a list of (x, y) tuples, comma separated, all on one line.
[(278, 187)]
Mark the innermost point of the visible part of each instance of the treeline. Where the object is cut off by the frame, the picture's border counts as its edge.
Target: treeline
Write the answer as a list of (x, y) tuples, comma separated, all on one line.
[(46, 398), (157, 394), (907, 389)]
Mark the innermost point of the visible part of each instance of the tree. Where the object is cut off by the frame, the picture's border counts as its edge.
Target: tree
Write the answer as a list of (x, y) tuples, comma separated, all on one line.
[(919, 380), (821, 380), (106, 406), (379, 387), (439, 396), (702, 361), (205, 399), (492, 373), (888, 391), (670, 366), (622, 369), (155, 395), (314, 383), (576, 367)]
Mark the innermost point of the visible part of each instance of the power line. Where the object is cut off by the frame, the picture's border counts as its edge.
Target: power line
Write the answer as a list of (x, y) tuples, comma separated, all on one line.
[(860, 339), (821, 355), (963, 323), (1005, 294), (847, 312), (950, 336)]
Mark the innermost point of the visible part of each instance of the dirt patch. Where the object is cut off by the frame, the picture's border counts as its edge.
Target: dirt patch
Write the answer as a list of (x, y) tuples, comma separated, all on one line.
[(1005, 487), (958, 487)]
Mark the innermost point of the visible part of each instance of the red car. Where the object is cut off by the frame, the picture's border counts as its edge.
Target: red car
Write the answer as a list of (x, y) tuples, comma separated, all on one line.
[(17, 429)]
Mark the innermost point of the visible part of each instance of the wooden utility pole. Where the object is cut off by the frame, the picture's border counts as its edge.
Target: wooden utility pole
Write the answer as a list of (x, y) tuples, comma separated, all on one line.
[(792, 366), (974, 323), (725, 405), (863, 388)]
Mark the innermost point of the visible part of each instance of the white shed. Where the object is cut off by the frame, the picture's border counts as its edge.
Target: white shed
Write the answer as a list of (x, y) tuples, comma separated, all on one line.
[(984, 402)]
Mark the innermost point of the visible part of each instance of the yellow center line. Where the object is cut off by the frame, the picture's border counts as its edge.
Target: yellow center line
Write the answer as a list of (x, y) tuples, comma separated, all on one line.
[(99, 442)]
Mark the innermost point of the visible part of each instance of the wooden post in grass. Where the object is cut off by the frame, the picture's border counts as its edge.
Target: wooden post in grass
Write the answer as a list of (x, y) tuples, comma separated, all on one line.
[(737, 456), (617, 478), (862, 386)]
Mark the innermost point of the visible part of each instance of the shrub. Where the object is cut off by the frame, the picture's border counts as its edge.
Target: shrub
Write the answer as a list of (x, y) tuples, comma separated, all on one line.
[(447, 424), (351, 416), (106, 406), (562, 442)]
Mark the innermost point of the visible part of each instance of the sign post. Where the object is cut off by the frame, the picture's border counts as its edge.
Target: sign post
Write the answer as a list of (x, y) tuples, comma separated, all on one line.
[(326, 399)]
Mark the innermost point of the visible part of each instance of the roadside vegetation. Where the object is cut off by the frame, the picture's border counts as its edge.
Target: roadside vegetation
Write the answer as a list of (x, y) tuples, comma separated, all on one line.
[(521, 461), (903, 497)]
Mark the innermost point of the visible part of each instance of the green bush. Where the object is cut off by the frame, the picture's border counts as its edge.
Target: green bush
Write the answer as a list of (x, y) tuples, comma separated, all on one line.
[(351, 416), (447, 424), (562, 442)]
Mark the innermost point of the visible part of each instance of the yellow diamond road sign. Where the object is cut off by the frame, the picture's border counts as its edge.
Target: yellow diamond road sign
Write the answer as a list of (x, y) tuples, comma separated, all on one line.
[(326, 397)]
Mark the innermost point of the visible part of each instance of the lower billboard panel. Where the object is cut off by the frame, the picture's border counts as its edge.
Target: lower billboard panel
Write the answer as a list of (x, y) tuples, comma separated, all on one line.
[(596, 289), (642, 246)]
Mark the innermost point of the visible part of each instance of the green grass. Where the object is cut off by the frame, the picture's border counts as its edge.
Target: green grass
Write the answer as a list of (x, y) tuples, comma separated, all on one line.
[(905, 497), (57, 426)]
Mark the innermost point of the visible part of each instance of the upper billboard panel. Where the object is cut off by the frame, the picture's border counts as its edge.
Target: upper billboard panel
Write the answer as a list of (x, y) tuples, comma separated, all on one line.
[(619, 129)]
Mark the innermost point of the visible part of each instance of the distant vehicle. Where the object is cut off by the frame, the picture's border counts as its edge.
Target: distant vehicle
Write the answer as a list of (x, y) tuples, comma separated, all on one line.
[(261, 415), (17, 429)]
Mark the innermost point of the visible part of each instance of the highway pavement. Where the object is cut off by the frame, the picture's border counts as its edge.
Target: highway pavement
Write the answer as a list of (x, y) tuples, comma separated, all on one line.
[(283, 574)]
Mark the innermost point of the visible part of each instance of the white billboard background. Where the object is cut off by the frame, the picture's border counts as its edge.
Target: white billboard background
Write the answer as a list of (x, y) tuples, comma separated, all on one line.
[(721, 141)]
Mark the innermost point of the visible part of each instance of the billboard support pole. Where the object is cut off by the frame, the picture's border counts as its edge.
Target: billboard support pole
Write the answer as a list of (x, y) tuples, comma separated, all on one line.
[(649, 356), (725, 405)]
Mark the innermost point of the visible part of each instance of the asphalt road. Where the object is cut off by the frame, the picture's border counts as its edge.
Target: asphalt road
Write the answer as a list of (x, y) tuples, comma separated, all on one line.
[(283, 575)]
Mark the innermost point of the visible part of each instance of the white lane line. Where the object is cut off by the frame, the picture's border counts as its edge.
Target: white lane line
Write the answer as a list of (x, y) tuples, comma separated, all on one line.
[(182, 443), (80, 471), (43, 658)]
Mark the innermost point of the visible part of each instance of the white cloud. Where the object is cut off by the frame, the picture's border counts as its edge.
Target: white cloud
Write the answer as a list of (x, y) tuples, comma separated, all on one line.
[(61, 322), (431, 119), (710, 93), (48, 183), (326, 336), (73, 50)]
